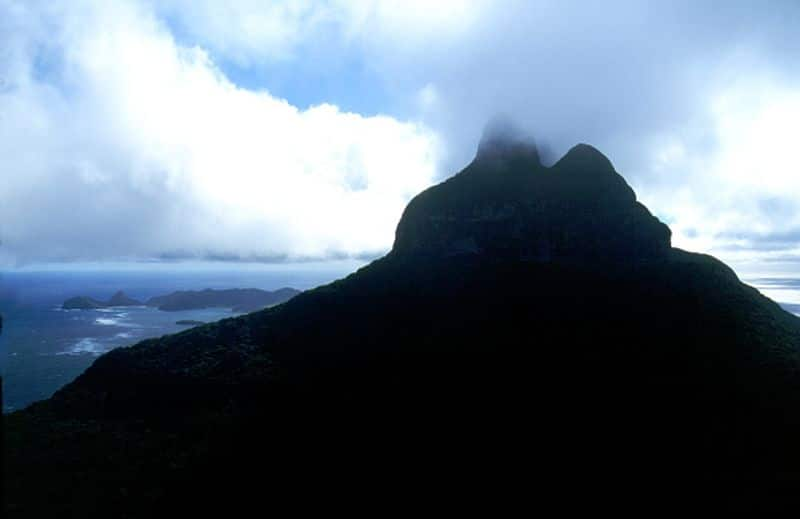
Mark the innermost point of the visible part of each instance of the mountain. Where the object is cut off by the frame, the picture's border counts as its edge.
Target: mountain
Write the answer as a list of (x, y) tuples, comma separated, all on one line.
[(87, 303), (238, 299), (578, 211), (532, 334)]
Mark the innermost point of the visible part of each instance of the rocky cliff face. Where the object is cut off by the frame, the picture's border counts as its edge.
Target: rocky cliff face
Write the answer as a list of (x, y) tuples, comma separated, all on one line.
[(506, 203)]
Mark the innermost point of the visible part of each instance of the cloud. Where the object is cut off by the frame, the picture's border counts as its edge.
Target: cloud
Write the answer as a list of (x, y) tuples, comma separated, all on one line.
[(248, 31), (740, 195), (123, 135), (251, 32), (118, 142)]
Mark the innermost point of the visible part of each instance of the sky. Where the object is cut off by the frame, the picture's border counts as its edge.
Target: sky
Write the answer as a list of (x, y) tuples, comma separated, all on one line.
[(273, 131)]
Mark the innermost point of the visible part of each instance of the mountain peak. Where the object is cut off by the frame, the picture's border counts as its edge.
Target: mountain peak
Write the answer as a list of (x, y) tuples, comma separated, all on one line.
[(506, 203), (586, 158), (502, 139)]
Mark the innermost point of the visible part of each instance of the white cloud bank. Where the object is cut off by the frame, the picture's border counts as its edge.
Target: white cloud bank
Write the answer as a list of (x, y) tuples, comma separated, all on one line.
[(119, 138), (115, 141)]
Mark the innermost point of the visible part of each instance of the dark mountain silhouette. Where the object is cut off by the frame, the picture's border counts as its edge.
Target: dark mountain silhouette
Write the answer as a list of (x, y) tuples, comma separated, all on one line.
[(237, 299), (532, 331)]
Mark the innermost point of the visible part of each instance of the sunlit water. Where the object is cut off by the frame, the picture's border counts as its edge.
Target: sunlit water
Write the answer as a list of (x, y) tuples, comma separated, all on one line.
[(45, 347)]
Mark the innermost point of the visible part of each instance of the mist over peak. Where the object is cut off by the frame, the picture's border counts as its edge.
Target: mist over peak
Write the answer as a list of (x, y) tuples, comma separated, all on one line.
[(502, 130)]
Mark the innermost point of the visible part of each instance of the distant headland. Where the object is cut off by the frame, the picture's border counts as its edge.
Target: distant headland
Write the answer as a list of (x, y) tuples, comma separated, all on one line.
[(237, 299)]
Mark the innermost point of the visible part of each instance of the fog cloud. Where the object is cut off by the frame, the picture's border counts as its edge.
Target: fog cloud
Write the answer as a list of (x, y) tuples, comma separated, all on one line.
[(123, 136), (116, 142)]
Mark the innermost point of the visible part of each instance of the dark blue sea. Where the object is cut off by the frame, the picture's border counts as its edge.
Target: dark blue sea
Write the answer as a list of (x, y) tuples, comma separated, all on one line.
[(45, 347)]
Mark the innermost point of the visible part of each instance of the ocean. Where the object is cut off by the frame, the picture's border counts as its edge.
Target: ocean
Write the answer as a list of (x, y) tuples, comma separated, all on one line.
[(44, 347)]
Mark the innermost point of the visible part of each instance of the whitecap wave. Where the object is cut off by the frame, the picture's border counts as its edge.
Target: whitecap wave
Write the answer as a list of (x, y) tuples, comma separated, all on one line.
[(121, 320), (84, 346)]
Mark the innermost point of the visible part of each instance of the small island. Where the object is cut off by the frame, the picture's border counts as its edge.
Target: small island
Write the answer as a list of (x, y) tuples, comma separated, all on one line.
[(88, 303), (189, 322), (239, 300)]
